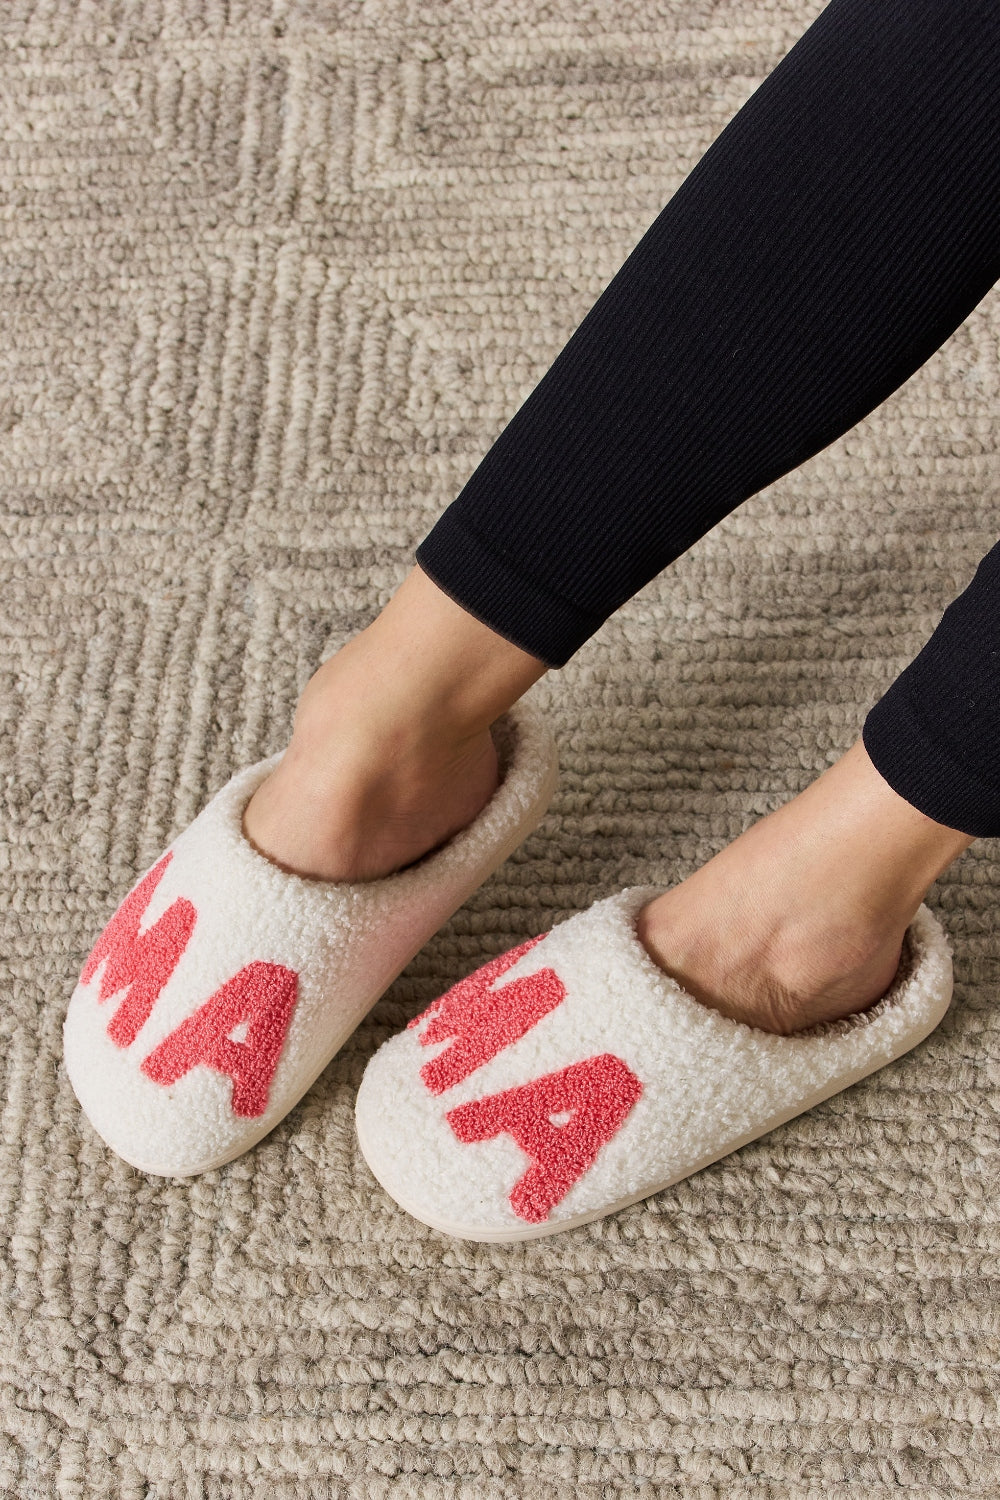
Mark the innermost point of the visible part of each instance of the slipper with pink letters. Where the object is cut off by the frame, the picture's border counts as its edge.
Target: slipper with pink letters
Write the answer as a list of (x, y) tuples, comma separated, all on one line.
[(223, 985), (571, 1077)]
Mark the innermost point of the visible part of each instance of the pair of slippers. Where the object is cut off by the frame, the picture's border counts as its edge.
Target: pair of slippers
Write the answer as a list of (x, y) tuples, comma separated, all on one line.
[(559, 1082)]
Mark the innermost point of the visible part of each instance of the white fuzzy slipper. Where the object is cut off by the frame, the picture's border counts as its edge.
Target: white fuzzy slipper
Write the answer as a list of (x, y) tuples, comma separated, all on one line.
[(571, 1076), (222, 986)]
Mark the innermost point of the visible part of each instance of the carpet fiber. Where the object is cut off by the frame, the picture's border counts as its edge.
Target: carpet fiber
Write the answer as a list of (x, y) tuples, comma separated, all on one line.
[(272, 278)]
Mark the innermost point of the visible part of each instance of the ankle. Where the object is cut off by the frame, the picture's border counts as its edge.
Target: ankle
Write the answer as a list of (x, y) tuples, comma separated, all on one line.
[(422, 683), (823, 974), (356, 718), (357, 805), (881, 854), (776, 973), (801, 919), (436, 665)]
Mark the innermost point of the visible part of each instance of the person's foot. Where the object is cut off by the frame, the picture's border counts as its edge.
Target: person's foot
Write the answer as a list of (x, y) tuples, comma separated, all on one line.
[(801, 919), (391, 752), (355, 797)]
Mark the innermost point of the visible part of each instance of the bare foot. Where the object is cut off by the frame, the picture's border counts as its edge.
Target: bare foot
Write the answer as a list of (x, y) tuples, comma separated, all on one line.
[(801, 919), (352, 799), (391, 751)]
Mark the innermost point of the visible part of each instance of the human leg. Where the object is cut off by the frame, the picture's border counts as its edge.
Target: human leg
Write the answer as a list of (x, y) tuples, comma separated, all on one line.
[(802, 918), (391, 752), (836, 233), (840, 228), (815, 898)]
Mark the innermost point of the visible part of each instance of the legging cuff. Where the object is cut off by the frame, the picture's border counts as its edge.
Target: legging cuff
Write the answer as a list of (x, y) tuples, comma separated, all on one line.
[(927, 771), (497, 592), (933, 734)]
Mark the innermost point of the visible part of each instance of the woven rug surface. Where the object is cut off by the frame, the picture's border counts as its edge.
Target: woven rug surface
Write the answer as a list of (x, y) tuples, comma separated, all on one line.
[(273, 276)]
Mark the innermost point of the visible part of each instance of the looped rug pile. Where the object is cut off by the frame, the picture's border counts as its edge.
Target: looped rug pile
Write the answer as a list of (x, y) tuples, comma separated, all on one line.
[(273, 276)]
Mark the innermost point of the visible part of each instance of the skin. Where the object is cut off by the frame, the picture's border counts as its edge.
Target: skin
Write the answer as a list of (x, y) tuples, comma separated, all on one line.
[(799, 920), (391, 751)]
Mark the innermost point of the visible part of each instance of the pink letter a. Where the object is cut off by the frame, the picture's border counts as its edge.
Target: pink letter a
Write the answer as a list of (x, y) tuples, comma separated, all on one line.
[(598, 1093), (262, 994)]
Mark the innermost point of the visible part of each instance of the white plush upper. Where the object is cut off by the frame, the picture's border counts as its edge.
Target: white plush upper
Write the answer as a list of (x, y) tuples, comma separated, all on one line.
[(345, 941), (706, 1080)]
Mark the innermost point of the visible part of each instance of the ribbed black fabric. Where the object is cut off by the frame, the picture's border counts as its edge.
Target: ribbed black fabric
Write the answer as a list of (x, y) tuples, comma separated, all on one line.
[(841, 227), (935, 733)]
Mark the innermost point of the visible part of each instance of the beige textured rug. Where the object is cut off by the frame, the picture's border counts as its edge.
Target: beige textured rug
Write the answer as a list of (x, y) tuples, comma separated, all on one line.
[(274, 275)]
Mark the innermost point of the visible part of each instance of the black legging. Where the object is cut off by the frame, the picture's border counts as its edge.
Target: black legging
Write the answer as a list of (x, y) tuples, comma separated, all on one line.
[(841, 227)]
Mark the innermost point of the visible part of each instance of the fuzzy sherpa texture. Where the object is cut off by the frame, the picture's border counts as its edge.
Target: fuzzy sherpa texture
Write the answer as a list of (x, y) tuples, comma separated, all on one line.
[(276, 275), (223, 985), (573, 1075)]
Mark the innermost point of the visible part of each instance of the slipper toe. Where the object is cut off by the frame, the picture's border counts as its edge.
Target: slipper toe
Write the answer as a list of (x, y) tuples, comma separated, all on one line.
[(571, 1076), (223, 985)]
